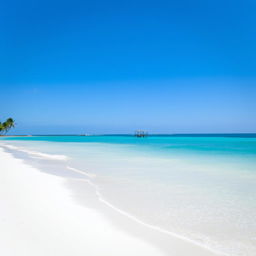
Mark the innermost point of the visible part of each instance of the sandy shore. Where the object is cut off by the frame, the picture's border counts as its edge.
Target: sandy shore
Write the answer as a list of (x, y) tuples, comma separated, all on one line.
[(39, 216)]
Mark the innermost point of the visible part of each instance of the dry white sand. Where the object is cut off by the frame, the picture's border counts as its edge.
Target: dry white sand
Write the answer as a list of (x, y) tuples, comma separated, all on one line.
[(38, 216)]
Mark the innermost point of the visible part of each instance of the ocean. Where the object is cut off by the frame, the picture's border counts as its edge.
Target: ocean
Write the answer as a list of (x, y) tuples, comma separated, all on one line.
[(201, 188)]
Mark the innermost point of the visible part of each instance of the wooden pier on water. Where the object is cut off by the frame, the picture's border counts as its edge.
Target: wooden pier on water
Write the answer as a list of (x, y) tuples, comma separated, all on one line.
[(140, 134)]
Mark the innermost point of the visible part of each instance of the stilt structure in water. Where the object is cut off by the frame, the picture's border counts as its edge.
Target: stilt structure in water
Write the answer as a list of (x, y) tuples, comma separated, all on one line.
[(140, 134)]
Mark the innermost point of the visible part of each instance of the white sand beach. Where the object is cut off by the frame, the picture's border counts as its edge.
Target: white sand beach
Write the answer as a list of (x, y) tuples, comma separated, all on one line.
[(38, 216)]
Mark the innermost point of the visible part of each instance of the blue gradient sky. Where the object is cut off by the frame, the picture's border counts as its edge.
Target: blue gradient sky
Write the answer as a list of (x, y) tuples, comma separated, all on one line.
[(114, 66)]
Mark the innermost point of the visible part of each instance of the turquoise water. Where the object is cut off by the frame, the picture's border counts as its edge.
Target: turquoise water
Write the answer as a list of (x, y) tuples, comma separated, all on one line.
[(240, 145), (202, 188)]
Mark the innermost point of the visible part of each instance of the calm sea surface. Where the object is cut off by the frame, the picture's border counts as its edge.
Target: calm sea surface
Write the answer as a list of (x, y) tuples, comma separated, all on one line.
[(202, 188)]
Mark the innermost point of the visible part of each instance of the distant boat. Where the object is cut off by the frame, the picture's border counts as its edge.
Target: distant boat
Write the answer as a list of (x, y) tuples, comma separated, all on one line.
[(140, 134)]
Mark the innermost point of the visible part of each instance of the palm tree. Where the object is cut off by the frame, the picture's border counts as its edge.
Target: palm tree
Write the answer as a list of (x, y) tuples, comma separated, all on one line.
[(10, 123), (7, 125)]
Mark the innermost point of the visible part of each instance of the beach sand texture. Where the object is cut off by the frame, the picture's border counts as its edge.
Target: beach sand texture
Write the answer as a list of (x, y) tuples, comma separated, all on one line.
[(38, 216)]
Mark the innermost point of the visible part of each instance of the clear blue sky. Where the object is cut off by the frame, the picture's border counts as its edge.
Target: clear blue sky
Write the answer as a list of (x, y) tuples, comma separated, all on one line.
[(114, 66)]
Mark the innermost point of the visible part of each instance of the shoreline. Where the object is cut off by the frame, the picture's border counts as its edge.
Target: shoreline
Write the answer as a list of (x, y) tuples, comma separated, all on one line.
[(152, 243), (39, 217)]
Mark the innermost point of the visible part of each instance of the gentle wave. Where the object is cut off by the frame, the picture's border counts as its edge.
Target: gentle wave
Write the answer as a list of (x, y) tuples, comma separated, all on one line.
[(81, 172), (37, 154), (137, 220)]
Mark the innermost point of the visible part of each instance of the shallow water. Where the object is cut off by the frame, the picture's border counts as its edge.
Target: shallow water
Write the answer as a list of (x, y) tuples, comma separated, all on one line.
[(199, 188)]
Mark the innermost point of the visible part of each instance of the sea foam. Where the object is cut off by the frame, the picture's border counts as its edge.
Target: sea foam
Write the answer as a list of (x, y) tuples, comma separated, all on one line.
[(36, 153)]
